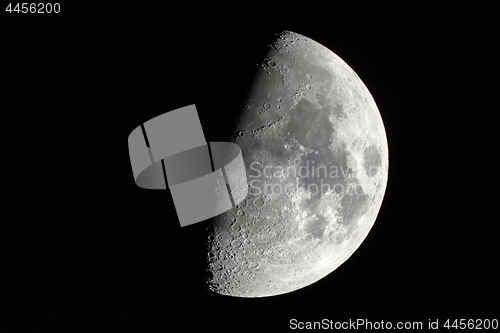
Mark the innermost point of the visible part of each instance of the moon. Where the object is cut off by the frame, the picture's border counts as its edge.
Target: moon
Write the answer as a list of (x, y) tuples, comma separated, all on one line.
[(316, 159)]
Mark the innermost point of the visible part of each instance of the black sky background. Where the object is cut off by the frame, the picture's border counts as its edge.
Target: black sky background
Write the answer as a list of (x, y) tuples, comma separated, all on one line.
[(82, 249)]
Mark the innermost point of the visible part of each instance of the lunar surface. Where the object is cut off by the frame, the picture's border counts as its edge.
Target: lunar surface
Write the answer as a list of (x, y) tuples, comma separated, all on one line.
[(316, 158)]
